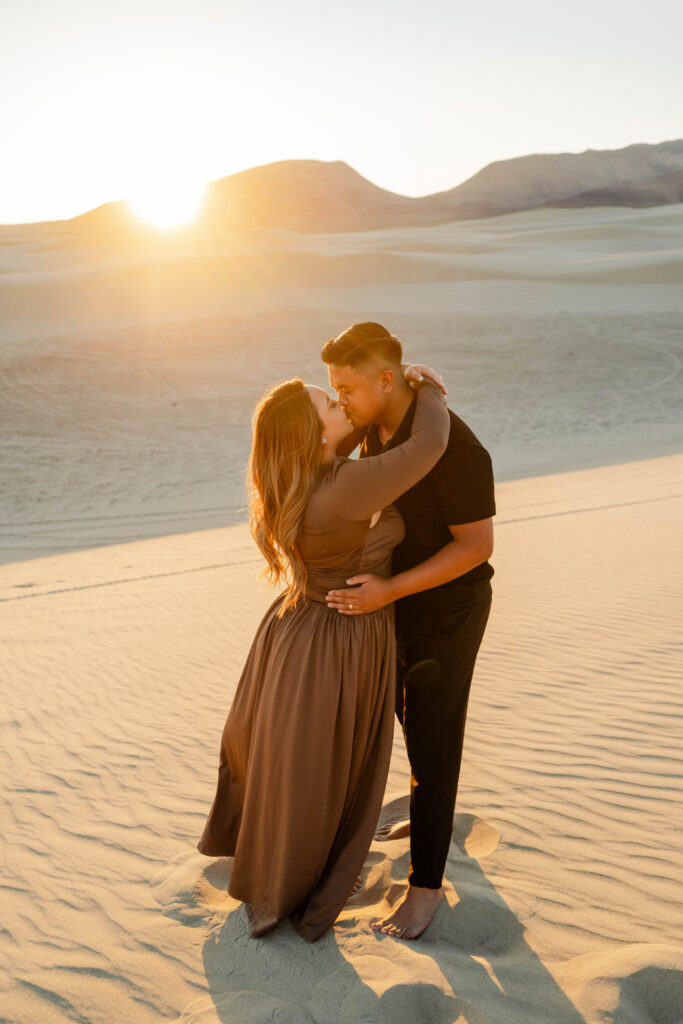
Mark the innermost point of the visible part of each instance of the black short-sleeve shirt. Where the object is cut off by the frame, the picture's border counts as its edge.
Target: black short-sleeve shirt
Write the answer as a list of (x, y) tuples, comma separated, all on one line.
[(459, 489)]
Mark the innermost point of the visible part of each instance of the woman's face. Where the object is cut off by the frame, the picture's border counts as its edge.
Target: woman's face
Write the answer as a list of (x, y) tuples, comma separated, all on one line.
[(335, 424)]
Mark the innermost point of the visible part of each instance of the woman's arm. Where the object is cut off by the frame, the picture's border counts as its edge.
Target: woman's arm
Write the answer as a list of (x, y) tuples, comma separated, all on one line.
[(363, 486), (414, 374)]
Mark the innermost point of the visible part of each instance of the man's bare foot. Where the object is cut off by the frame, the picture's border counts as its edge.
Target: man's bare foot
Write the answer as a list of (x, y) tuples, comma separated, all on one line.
[(393, 830), (357, 886), (413, 915)]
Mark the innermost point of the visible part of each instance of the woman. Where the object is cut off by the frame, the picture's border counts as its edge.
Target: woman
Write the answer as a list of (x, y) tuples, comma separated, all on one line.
[(306, 746)]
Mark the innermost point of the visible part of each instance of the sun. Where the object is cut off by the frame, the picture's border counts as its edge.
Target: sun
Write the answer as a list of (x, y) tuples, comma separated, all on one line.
[(168, 204)]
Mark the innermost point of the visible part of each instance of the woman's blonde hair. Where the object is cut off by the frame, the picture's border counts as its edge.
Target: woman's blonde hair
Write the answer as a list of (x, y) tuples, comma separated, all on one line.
[(285, 454)]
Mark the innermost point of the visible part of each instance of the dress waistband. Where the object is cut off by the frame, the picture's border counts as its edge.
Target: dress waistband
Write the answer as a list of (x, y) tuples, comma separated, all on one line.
[(318, 598)]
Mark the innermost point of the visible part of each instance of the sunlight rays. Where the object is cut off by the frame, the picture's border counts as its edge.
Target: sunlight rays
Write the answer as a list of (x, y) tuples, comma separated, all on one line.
[(168, 203)]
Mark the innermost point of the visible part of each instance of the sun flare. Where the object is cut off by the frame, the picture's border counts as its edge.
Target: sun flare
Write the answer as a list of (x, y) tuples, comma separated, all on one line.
[(168, 204)]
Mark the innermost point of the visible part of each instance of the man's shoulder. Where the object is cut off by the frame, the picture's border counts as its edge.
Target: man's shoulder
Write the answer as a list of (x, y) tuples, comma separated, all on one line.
[(461, 434), (462, 480)]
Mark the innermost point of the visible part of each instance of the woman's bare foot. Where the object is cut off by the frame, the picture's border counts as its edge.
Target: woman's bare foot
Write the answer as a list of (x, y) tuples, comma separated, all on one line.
[(393, 830), (413, 915)]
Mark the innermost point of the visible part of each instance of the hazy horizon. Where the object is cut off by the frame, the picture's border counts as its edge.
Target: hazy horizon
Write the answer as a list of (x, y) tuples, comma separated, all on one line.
[(96, 107), (291, 159)]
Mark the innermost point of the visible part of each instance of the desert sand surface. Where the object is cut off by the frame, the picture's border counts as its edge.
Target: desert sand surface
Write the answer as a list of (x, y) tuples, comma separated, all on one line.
[(128, 375), (565, 877), (129, 594)]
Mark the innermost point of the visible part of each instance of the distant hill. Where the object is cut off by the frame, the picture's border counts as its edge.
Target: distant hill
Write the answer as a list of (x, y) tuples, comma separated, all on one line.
[(548, 179), (667, 188), (312, 196)]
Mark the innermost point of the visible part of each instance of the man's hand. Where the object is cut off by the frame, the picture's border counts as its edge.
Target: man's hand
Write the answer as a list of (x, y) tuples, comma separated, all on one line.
[(374, 592), (415, 373)]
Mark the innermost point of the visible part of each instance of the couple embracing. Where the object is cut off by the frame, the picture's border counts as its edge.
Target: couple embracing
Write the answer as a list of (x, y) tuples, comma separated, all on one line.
[(386, 597)]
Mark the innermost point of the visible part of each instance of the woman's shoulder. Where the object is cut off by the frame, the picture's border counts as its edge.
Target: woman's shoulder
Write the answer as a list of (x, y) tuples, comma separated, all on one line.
[(329, 476), (328, 470), (324, 494)]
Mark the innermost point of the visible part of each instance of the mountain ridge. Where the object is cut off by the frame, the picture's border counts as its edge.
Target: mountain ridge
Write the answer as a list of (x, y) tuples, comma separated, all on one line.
[(314, 196)]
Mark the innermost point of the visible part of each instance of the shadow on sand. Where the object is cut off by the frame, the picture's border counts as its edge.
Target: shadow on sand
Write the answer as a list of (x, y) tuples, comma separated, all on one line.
[(473, 963)]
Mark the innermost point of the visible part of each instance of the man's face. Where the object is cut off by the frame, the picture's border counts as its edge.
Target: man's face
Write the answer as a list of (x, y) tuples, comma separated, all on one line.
[(362, 391)]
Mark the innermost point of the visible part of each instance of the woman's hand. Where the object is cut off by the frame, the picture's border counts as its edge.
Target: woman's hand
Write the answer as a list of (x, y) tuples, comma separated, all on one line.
[(373, 593), (415, 373)]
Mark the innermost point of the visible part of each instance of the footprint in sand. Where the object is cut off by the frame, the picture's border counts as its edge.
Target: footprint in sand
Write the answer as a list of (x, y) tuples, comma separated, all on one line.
[(474, 835), (471, 834)]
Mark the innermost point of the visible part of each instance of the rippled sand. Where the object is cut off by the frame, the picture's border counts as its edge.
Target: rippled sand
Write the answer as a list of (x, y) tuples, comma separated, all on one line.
[(128, 603), (565, 877)]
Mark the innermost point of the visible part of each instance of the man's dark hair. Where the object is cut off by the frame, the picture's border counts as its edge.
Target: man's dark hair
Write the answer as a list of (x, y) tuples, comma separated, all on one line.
[(362, 343)]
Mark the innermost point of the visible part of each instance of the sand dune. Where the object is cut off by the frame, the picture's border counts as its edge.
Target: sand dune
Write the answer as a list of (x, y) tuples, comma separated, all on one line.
[(128, 377), (565, 872)]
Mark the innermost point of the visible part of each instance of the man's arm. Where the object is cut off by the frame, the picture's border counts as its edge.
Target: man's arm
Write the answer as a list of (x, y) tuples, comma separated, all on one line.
[(472, 544)]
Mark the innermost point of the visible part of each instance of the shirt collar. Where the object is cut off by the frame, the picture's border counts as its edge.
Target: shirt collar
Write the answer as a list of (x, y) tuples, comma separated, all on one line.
[(404, 429)]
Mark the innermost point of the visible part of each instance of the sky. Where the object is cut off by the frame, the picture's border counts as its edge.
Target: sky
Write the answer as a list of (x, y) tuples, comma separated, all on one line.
[(102, 101)]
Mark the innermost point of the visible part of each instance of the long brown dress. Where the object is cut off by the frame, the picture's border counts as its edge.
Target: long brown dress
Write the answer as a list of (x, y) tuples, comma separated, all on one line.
[(305, 751)]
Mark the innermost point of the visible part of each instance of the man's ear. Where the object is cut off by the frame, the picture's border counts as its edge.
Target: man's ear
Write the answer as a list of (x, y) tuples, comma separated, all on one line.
[(387, 379)]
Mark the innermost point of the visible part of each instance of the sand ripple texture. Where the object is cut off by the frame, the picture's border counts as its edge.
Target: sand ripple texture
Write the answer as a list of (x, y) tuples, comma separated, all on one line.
[(128, 378), (565, 875)]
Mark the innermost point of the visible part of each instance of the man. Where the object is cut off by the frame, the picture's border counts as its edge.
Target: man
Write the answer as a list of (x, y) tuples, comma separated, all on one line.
[(442, 593)]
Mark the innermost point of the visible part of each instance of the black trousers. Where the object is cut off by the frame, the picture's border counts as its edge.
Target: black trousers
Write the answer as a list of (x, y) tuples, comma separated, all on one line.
[(437, 651)]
